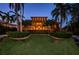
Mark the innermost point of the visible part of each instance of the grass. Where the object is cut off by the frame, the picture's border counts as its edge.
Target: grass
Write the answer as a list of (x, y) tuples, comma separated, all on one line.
[(38, 44)]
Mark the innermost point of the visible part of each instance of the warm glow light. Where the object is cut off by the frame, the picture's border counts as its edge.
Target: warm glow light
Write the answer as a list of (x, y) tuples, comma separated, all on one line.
[(37, 24)]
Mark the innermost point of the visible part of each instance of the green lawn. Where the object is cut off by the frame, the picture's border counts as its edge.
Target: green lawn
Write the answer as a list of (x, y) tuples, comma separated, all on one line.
[(38, 44)]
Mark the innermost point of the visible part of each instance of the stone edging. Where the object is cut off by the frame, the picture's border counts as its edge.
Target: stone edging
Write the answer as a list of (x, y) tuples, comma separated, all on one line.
[(2, 36), (23, 38), (55, 37)]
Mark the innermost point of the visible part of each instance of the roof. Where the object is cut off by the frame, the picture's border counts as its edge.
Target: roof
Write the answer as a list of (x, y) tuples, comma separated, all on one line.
[(39, 17)]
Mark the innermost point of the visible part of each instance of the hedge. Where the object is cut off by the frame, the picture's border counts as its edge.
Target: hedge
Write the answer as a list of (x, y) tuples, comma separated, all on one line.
[(62, 34), (17, 34)]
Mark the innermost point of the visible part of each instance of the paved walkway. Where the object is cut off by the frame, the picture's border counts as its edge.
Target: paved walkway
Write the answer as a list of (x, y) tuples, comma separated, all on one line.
[(75, 37), (2, 36)]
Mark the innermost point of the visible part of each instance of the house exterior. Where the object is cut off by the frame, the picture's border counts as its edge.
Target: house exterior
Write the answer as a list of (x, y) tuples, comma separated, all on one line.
[(37, 24), (8, 24)]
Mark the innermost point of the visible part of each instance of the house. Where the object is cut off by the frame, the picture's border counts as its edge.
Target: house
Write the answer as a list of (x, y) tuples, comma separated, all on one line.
[(36, 24), (40, 24)]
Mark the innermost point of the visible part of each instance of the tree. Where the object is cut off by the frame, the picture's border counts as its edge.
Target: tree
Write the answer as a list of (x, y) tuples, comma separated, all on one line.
[(60, 13), (26, 22), (6, 17), (18, 8), (74, 12)]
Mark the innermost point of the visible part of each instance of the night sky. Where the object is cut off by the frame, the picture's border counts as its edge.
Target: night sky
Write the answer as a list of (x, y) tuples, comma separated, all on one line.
[(32, 9)]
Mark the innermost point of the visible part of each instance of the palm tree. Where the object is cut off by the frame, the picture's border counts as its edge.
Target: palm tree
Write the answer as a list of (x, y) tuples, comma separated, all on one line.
[(6, 17), (60, 13), (74, 12), (18, 8)]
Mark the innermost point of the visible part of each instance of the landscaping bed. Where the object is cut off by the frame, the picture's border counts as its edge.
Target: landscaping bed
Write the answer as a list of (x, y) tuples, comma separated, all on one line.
[(58, 36), (76, 39), (22, 38), (55, 39), (18, 35), (62, 34)]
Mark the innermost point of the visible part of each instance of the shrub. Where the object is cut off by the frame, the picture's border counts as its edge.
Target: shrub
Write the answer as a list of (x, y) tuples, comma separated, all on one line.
[(76, 32), (17, 34), (62, 34), (2, 29)]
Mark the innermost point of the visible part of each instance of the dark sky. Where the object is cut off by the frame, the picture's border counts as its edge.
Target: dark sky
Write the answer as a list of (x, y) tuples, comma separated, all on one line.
[(33, 9)]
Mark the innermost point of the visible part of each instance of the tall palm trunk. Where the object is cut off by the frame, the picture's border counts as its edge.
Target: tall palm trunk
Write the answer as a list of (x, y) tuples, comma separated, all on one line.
[(74, 23), (71, 27), (18, 7), (19, 24), (21, 20), (60, 27), (60, 23)]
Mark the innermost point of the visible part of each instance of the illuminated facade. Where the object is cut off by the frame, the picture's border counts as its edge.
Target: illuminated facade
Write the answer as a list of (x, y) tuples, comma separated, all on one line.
[(38, 23)]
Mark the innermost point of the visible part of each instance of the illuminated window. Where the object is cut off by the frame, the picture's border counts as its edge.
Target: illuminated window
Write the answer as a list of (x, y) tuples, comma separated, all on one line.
[(39, 24), (54, 26)]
